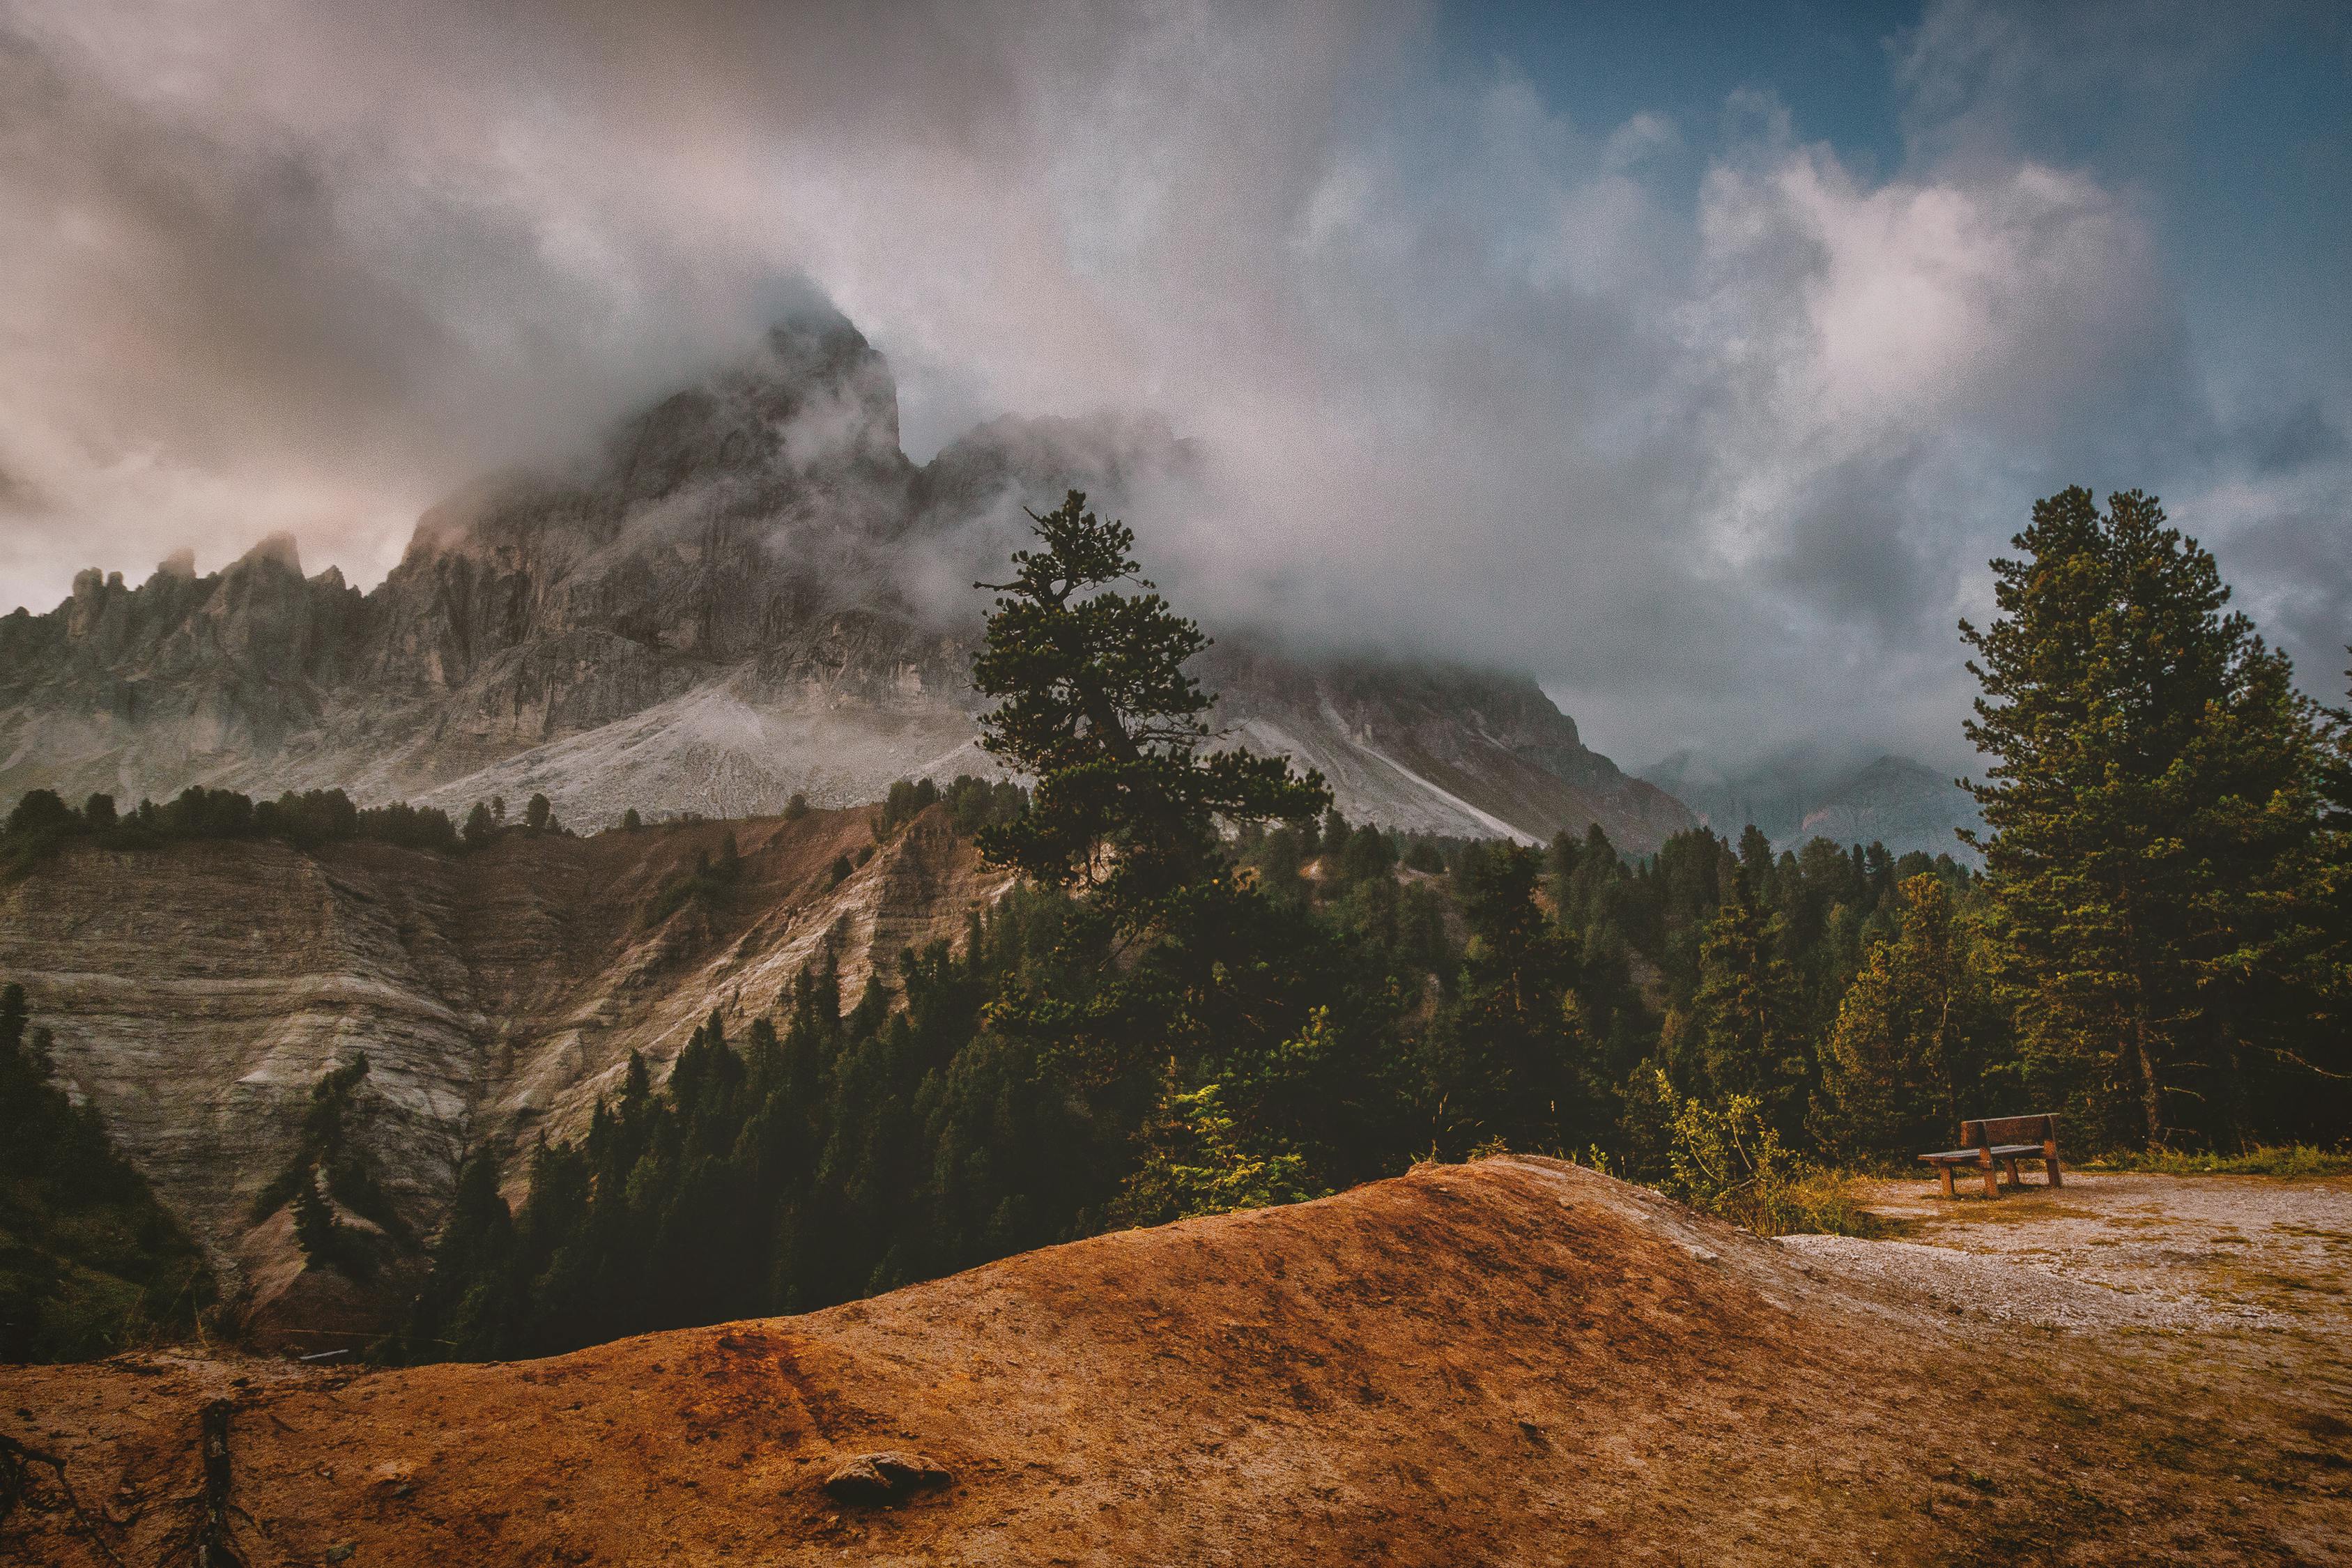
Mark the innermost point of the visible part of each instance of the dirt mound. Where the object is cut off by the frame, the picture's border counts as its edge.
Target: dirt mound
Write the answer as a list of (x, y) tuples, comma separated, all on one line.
[(1514, 1362)]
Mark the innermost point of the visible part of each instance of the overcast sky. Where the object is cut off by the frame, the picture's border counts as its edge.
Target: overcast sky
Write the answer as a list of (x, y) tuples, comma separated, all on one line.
[(1694, 363)]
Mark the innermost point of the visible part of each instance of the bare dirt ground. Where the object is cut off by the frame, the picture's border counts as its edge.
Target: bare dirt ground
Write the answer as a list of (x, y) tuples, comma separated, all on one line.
[(2209, 1253), (1514, 1362)]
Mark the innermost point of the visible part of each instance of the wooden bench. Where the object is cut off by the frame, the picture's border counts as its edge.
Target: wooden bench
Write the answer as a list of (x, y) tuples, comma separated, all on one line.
[(2001, 1140)]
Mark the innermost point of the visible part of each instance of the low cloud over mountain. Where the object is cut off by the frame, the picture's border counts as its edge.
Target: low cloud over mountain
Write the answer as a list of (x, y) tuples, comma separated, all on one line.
[(1706, 421), (748, 592)]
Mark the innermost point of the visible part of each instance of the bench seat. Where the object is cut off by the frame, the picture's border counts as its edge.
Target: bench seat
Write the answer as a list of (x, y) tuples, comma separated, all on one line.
[(1989, 1156), (1999, 1152)]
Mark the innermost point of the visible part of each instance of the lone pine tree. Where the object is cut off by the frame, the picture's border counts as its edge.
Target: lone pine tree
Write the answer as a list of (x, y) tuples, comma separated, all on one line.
[(1094, 701)]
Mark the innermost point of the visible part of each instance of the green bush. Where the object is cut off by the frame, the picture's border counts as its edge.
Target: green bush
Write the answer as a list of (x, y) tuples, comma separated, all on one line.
[(1726, 1159)]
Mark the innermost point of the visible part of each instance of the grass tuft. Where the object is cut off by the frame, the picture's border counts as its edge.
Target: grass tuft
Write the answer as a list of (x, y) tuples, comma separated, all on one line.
[(2264, 1160)]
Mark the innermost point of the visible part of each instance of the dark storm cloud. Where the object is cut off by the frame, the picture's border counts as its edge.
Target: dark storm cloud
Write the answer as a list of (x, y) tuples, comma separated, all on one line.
[(1468, 374)]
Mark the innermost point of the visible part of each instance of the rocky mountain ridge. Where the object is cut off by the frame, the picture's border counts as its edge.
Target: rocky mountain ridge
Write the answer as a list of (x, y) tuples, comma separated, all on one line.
[(738, 598)]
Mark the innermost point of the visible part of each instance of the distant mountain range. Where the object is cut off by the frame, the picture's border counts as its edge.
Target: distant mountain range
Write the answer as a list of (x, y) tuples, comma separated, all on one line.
[(748, 592), (1895, 800)]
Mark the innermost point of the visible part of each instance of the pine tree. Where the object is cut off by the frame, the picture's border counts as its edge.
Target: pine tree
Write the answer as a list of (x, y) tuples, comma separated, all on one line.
[(2323, 962), (1560, 858), (1912, 1035), (1748, 1033), (1756, 861), (1198, 1160), (315, 1230), (89, 1261), (1367, 856), (1522, 1086), (468, 1308), (2151, 817), (1094, 702), (41, 811), (330, 1148), (2336, 766)]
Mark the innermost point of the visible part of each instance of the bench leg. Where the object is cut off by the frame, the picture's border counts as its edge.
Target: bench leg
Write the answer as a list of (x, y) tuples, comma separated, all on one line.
[(1946, 1171), (1992, 1179), (2015, 1181), (2049, 1162)]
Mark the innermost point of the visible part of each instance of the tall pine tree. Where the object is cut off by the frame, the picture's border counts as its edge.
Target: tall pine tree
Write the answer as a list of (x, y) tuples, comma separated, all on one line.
[(1749, 1034), (1518, 1058), (1912, 1035), (1094, 701), (2150, 818)]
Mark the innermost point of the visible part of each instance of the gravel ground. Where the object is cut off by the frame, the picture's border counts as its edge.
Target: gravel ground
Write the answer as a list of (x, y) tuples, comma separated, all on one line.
[(2197, 1254)]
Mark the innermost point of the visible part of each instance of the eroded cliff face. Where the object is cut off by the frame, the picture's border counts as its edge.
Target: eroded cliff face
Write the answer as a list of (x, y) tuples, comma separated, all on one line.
[(197, 992), (748, 593)]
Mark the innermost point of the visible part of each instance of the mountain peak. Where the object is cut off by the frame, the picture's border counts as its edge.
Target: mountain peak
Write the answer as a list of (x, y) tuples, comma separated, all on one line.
[(279, 550)]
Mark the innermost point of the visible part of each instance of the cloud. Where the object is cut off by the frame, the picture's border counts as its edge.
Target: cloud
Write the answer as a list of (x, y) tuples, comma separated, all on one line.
[(1465, 373)]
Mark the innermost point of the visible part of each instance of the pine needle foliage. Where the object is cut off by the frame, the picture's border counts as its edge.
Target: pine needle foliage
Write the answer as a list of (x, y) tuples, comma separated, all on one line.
[(1094, 701), (2152, 830)]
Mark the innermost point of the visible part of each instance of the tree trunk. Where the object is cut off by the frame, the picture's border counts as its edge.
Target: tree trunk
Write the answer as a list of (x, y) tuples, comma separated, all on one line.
[(2151, 1095)]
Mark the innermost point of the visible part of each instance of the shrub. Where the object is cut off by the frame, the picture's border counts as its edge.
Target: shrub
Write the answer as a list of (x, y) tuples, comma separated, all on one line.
[(1728, 1160)]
